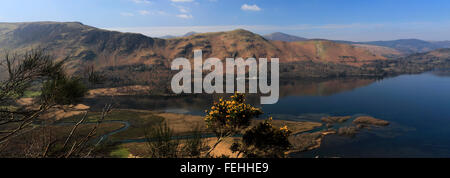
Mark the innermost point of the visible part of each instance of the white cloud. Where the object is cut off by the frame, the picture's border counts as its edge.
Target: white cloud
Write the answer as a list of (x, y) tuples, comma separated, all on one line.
[(247, 7), (141, 1), (183, 10), (162, 13), (144, 12), (182, 0), (185, 16), (127, 14)]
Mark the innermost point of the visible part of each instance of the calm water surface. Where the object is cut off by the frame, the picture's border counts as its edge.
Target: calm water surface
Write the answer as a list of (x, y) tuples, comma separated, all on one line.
[(418, 106)]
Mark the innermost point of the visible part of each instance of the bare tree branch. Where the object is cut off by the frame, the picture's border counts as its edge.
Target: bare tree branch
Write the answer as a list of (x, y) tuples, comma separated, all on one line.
[(74, 128)]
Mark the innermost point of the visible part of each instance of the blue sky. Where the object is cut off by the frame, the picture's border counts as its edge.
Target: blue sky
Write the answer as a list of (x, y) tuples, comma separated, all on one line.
[(358, 20)]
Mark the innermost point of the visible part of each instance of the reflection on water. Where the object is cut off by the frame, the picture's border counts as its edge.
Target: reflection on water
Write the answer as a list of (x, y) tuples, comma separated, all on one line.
[(442, 73), (196, 104), (418, 106), (321, 87)]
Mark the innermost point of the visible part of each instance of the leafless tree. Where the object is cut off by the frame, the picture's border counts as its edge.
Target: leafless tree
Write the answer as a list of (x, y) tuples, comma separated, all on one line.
[(23, 72), (37, 68)]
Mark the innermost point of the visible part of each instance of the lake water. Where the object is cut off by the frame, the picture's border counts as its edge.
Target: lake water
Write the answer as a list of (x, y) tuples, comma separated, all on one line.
[(418, 107)]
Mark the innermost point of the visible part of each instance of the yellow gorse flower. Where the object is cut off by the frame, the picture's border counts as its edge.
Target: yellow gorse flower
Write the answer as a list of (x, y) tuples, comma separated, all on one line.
[(230, 113)]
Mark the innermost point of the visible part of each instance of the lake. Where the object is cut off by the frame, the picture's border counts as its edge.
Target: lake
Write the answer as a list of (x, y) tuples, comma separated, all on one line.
[(418, 107)]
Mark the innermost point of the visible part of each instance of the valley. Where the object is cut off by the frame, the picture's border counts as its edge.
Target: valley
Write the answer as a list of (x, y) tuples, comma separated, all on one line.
[(134, 77), (134, 59)]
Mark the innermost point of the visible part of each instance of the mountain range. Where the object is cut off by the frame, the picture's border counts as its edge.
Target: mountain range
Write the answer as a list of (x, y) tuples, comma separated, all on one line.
[(409, 46), (392, 47), (172, 36), (135, 57), (278, 36), (105, 48)]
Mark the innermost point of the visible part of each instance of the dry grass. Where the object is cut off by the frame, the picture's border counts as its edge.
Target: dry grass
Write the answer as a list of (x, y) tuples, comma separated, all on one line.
[(294, 126), (66, 111), (367, 120), (182, 123), (308, 141), (140, 150), (223, 149), (348, 131), (336, 119), (56, 113), (120, 91)]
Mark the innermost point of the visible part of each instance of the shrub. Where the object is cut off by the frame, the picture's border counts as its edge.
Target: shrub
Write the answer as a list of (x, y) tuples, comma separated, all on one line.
[(229, 117), (194, 144), (63, 90), (264, 141), (160, 142)]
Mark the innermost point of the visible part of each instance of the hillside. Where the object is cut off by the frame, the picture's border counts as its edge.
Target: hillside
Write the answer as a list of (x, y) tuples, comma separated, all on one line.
[(134, 58), (440, 54), (442, 44), (84, 44), (381, 50), (278, 36), (377, 50), (405, 46), (106, 48), (242, 43), (173, 36), (415, 63)]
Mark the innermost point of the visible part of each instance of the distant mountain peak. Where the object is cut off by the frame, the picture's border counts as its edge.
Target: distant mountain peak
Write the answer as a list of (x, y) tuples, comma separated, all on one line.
[(279, 36), (189, 34), (241, 31), (173, 36)]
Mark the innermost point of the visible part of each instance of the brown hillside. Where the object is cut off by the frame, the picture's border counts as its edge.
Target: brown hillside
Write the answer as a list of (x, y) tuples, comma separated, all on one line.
[(242, 43), (106, 49), (380, 50)]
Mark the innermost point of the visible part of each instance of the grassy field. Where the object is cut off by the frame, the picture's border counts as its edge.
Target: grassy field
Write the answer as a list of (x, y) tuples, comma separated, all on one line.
[(139, 121), (31, 94), (181, 124), (120, 153), (184, 125)]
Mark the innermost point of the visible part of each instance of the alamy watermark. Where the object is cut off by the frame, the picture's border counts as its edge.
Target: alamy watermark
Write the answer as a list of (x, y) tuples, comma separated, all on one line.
[(213, 81)]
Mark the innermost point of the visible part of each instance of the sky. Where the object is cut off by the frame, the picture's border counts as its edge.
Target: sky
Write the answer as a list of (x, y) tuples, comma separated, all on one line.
[(356, 20)]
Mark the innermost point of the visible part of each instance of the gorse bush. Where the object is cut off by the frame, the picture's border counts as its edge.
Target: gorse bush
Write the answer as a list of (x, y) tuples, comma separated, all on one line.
[(229, 117), (264, 140)]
